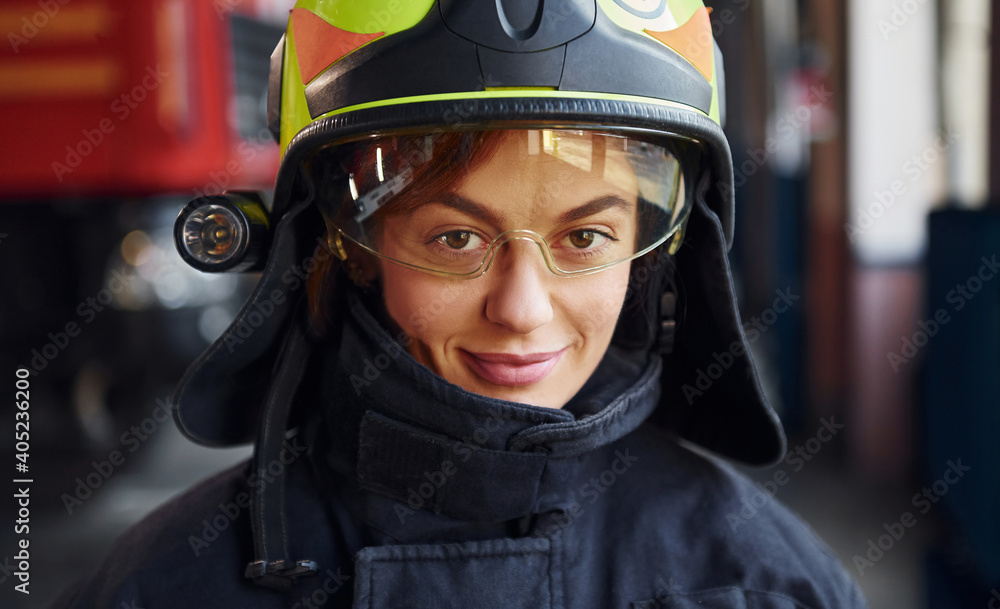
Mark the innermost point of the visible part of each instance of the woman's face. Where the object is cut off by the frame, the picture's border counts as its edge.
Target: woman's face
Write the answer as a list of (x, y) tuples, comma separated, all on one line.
[(518, 332)]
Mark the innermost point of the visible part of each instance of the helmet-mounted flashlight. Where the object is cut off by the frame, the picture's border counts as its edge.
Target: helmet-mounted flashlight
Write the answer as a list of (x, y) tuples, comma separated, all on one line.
[(226, 232)]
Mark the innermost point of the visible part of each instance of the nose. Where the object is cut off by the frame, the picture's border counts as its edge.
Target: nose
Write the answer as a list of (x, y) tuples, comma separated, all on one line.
[(518, 296)]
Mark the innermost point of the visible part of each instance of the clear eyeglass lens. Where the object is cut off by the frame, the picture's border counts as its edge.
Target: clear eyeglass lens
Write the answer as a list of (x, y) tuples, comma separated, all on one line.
[(462, 252)]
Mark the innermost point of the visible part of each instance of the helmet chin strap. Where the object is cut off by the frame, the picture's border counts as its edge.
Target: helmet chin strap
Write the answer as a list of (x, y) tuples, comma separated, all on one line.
[(668, 322), (272, 567), (668, 316)]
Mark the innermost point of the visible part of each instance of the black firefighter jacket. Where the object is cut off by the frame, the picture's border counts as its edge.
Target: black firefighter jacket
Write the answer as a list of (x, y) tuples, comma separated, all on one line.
[(410, 492)]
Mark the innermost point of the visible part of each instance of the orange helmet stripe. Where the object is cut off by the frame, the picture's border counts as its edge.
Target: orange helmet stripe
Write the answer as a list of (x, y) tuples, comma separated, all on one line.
[(692, 41), (319, 44)]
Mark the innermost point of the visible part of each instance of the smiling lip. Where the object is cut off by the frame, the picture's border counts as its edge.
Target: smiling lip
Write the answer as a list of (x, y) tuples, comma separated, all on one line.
[(511, 369)]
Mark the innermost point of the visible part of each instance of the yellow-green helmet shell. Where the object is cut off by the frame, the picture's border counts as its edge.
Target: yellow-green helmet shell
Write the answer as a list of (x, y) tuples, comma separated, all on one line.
[(328, 42)]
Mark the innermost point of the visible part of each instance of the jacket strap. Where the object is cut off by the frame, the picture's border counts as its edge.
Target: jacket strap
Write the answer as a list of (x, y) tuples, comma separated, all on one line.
[(272, 567)]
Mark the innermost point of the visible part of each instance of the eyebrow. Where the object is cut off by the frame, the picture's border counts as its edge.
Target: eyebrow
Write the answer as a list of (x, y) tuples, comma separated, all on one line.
[(471, 208), (594, 206)]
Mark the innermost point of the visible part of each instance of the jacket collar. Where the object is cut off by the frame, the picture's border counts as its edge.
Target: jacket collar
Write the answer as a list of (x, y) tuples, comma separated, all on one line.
[(401, 432)]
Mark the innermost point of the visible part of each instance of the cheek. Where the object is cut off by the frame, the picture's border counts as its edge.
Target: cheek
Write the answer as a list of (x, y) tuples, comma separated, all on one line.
[(423, 306), (599, 301), (402, 299)]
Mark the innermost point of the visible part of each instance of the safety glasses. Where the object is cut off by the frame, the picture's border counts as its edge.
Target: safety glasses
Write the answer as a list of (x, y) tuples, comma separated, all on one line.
[(446, 203)]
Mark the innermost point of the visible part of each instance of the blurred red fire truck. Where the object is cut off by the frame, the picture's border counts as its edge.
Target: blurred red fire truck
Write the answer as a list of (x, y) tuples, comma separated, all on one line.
[(116, 114)]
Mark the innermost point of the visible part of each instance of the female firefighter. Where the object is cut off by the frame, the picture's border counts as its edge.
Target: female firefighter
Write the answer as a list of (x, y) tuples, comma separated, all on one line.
[(492, 270)]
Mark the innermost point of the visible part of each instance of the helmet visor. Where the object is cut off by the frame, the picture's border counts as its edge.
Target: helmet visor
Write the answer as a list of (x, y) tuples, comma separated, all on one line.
[(446, 202)]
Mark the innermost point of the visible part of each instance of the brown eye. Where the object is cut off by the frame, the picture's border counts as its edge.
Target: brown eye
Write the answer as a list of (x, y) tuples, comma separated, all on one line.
[(582, 238), (456, 239)]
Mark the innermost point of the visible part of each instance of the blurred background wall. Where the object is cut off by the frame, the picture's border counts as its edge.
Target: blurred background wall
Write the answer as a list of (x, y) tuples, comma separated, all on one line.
[(863, 140), (863, 132)]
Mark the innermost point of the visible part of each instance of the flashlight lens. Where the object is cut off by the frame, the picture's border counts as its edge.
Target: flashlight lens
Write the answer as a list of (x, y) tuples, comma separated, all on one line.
[(213, 234), (218, 234)]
